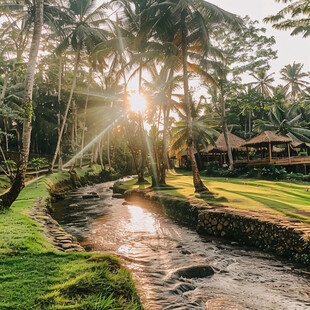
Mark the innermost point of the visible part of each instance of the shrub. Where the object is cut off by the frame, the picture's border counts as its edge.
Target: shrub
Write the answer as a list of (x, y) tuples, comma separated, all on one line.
[(306, 178), (272, 172), (302, 154)]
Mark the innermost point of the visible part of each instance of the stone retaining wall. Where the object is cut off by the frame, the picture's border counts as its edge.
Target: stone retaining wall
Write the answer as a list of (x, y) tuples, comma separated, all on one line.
[(279, 235)]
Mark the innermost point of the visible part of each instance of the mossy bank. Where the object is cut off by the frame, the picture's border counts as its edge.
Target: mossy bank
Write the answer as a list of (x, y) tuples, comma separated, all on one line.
[(35, 274), (282, 236)]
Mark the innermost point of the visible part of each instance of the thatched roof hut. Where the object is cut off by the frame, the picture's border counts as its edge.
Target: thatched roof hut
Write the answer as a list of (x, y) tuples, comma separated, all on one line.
[(299, 144), (184, 152), (267, 138), (221, 147)]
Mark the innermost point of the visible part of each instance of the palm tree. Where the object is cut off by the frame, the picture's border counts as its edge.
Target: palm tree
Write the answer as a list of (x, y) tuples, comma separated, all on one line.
[(19, 182), (263, 82), (294, 78), (299, 21), (287, 121), (162, 86), (203, 131), (190, 21), (81, 32)]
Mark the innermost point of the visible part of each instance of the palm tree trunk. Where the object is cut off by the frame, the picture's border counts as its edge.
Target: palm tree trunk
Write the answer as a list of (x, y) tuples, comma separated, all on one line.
[(199, 186), (59, 104), (19, 182), (225, 131), (109, 158), (85, 117), (76, 64)]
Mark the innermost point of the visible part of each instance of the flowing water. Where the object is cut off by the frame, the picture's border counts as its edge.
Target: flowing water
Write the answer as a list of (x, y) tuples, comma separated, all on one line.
[(153, 246)]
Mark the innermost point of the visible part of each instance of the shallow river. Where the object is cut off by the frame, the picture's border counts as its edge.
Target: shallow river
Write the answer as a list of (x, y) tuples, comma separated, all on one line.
[(153, 247)]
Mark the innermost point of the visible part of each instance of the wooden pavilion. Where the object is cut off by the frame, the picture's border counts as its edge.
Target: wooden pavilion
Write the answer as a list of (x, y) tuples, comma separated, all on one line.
[(267, 143), (218, 152)]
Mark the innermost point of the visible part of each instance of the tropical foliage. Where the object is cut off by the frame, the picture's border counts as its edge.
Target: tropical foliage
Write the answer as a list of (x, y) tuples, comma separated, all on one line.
[(69, 71)]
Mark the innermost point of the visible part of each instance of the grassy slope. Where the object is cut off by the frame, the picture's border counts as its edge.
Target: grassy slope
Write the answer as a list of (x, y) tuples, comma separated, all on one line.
[(4, 184), (280, 198), (34, 276)]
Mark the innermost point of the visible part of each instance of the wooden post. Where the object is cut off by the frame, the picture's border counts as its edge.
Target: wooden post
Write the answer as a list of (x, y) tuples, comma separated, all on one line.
[(247, 154), (289, 153), (270, 152)]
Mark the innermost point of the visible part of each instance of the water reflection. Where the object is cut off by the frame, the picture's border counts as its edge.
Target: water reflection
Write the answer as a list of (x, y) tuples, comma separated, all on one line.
[(153, 247)]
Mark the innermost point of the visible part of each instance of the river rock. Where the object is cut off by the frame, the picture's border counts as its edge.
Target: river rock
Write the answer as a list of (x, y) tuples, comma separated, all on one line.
[(118, 196), (90, 195), (201, 271)]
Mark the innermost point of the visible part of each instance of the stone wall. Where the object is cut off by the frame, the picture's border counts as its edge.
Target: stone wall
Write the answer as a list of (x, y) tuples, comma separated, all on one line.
[(279, 235)]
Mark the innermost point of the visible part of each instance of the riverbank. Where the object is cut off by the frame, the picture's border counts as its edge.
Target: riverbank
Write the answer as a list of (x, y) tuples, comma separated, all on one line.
[(284, 236), (37, 273)]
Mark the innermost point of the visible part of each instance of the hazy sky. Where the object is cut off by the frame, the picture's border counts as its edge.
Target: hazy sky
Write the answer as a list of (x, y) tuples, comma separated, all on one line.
[(289, 48)]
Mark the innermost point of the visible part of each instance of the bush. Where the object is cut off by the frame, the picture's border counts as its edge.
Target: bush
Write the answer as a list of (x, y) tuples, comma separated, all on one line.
[(301, 154), (272, 172), (295, 176), (306, 178)]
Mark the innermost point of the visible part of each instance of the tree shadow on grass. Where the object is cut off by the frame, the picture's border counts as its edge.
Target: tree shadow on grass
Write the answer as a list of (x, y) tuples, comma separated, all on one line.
[(212, 198), (168, 189)]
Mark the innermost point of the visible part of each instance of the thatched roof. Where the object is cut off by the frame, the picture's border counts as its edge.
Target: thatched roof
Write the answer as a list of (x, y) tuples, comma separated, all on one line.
[(299, 144), (267, 137), (184, 152), (221, 147)]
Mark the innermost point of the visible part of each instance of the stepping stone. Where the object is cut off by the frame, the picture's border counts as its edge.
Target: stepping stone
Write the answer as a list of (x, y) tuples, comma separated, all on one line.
[(118, 196), (194, 272)]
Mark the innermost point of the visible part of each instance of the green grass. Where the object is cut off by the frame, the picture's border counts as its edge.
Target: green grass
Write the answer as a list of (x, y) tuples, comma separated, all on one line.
[(4, 184), (35, 276), (278, 198)]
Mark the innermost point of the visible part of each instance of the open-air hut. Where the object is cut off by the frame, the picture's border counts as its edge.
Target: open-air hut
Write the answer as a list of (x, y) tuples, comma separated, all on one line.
[(218, 152), (301, 146), (267, 140), (183, 157)]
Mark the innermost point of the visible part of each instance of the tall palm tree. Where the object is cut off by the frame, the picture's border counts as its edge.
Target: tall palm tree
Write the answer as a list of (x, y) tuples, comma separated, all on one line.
[(203, 127), (162, 88), (81, 33), (299, 19), (190, 20), (294, 78), (19, 182), (263, 83), (286, 120)]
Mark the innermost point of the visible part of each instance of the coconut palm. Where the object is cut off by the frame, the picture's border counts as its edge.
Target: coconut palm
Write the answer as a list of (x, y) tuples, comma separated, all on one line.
[(19, 182), (294, 78), (203, 131), (162, 88), (81, 33), (191, 20), (285, 120), (299, 19), (263, 83)]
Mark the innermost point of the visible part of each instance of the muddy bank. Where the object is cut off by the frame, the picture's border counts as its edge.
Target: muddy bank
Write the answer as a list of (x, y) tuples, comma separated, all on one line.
[(278, 235)]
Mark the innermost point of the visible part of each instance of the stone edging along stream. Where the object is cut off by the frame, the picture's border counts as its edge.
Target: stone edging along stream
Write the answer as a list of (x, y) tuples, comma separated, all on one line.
[(42, 207), (279, 235)]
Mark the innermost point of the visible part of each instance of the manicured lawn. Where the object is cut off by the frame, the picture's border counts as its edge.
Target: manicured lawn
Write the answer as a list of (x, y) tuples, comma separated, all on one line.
[(34, 276), (4, 184), (280, 198)]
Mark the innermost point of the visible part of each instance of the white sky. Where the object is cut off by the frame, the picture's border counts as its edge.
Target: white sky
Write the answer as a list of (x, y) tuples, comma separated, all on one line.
[(289, 48)]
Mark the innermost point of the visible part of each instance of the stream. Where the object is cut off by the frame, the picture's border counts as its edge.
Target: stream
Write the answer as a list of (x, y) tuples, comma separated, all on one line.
[(154, 246)]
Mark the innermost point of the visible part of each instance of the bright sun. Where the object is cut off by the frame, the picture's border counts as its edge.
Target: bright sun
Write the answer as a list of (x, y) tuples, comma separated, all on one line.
[(137, 103)]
